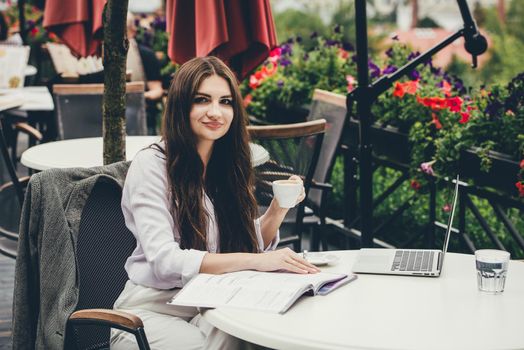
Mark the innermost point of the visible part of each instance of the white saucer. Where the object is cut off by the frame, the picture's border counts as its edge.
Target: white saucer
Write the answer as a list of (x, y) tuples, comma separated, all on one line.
[(320, 259)]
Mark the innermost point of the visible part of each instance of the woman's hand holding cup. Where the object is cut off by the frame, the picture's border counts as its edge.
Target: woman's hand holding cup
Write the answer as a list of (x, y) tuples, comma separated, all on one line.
[(290, 192)]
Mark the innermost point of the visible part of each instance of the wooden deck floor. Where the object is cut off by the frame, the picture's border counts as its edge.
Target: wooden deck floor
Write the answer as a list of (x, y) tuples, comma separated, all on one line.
[(7, 273)]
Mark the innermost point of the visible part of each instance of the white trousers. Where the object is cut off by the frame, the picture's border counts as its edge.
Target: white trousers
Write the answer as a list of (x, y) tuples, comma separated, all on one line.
[(168, 326)]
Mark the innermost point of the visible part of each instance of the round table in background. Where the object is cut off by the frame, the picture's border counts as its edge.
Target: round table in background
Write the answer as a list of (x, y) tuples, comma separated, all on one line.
[(87, 152)]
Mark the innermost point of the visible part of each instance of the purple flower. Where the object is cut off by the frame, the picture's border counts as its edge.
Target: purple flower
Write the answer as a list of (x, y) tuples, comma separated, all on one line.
[(374, 69), (331, 42), (412, 55), (414, 75), (290, 41), (354, 58), (284, 62), (337, 28), (159, 23), (458, 85), (436, 71), (347, 46), (305, 57), (298, 39), (137, 22), (493, 108), (313, 35), (30, 24), (280, 83), (394, 37), (427, 168), (389, 52), (286, 49), (389, 69)]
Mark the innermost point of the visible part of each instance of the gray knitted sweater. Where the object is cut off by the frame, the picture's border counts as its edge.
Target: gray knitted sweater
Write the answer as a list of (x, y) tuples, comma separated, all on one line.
[(46, 285)]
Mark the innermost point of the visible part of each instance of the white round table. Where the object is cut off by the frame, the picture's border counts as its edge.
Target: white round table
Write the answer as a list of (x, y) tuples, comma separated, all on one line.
[(392, 312), (88, 152)]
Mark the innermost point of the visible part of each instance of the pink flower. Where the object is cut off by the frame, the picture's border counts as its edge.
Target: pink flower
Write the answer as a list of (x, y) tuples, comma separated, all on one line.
[(510, 113), (521, 164), (275, 54), (446, 208), (427, 168), (351, 82)]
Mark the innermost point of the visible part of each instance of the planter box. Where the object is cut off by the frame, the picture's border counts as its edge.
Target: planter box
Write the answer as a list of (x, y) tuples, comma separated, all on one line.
[(501, 176), (388, 142)]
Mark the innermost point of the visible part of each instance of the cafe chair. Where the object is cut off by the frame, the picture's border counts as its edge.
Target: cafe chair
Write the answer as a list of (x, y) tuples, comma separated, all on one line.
[(78, 110), (332, 108), (104, 244), (294, 150), (12, 189)]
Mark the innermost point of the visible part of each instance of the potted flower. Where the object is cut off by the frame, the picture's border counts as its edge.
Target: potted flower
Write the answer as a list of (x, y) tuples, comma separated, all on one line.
[(280, 90)]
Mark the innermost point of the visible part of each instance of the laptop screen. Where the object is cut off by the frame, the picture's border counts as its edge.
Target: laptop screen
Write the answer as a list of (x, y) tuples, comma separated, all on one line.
[(450, 222)]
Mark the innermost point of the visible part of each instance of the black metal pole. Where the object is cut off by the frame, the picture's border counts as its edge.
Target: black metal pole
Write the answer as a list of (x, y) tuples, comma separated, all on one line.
[(364, 101), (21, 20)]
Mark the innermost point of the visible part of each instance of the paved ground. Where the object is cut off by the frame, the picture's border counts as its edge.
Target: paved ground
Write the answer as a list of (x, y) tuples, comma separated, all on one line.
[(7, 272)]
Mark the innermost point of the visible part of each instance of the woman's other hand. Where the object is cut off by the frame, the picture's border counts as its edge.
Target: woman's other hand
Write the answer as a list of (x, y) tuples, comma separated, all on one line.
[(283, 259)]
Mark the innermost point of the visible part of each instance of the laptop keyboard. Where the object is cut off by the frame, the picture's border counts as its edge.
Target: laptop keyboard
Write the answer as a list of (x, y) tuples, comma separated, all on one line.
[(413, 260)]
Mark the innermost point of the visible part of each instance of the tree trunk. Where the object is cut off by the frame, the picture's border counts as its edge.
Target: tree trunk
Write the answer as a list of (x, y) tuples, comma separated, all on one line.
[(114, 105), (414, 14), (501, 10)]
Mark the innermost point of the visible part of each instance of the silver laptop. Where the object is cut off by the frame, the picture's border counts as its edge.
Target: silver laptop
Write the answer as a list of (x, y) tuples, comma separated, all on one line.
[(409, 262)]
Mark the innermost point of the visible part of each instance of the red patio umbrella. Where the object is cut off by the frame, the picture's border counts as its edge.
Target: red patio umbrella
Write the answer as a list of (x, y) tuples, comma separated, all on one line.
[(240, 32), (78, 23)]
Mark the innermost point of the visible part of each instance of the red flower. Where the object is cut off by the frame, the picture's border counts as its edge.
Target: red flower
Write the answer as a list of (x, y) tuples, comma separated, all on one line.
[(521, 164), (415, 185), (446, 88), (464, 117), (343, 53), (520, 187), (34, 31), (435, 103), (275, 54), (399, 90), (437, 123), (411, 87), (454, 103), (247, 100)]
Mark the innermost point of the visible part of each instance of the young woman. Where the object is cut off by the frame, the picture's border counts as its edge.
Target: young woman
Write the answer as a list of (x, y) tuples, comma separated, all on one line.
[(189, 202)]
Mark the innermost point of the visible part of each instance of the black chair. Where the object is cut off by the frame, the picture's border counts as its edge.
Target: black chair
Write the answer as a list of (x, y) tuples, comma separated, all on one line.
[(104, 244), (293, 150), (79, 110), (12, 189)]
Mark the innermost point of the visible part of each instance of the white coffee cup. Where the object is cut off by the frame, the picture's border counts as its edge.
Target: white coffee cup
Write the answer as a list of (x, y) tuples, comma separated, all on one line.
[(287, 192)]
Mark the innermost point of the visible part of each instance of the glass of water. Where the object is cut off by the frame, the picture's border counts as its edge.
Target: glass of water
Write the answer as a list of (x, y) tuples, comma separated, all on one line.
[(492, 267)]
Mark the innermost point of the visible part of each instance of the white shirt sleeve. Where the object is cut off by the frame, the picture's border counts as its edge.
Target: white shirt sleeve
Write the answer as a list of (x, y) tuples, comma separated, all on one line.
[(146, 203), (272, 245)]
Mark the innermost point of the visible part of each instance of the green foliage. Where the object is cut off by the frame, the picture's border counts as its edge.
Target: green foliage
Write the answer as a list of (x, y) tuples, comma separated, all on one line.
[(292, 23)]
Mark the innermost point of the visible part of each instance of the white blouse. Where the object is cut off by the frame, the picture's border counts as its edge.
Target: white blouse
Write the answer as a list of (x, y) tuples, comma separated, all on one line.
[(158, 261)]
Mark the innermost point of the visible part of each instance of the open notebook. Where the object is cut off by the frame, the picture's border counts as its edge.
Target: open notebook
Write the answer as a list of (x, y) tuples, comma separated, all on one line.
[(265, 291)]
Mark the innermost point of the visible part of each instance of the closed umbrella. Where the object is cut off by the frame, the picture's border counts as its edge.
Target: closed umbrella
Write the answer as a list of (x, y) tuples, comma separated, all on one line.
[(240, 32), (78, 23)]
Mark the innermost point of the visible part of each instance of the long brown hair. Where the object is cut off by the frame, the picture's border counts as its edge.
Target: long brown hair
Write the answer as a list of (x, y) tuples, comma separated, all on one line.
[(228, 177)]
